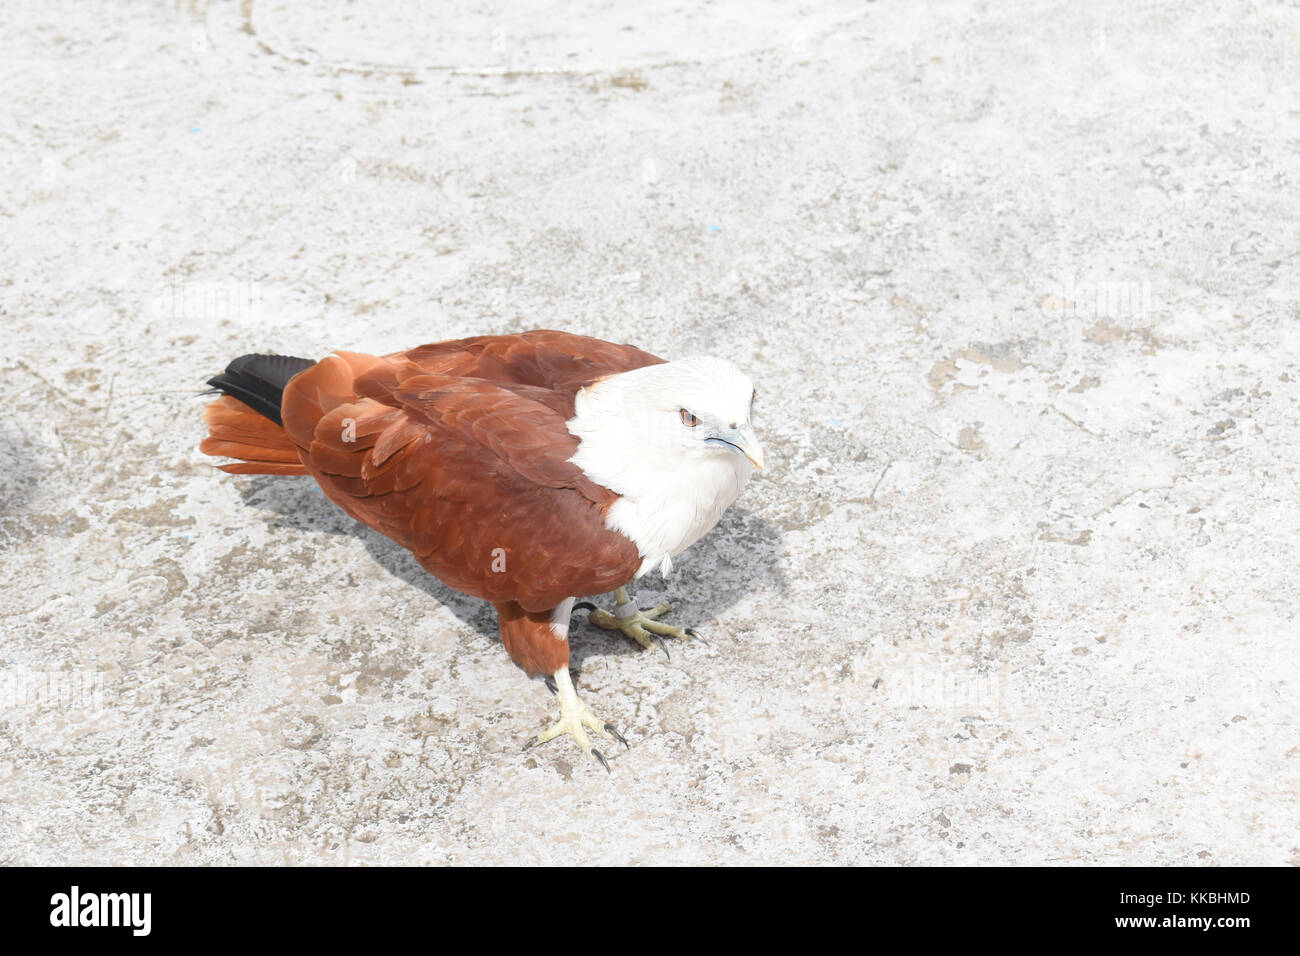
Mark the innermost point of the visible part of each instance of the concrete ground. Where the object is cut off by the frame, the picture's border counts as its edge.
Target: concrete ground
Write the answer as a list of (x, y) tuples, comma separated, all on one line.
[(1018, 284)]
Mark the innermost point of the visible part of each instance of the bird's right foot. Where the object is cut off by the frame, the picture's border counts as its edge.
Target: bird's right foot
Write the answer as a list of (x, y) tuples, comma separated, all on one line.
[(575, 720)]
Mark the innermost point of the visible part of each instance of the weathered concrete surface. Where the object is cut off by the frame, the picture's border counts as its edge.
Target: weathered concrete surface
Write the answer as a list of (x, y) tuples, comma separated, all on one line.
[(1018, 282)]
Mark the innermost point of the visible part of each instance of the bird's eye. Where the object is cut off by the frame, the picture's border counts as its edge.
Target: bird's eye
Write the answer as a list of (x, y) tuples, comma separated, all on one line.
[(688, 419)]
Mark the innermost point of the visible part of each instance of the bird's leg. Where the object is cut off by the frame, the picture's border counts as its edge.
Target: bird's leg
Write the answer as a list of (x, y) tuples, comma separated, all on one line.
[(575, 719), (644, 627)]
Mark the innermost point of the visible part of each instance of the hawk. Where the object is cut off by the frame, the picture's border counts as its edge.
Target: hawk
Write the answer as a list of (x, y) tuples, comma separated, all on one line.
[(527, 470)]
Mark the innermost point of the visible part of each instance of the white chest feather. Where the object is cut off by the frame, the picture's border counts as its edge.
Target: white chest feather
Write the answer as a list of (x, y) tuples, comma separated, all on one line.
[(677, 510)]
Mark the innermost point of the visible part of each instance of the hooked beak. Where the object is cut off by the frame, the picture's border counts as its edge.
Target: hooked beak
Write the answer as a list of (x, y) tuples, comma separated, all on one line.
[(743, 440)]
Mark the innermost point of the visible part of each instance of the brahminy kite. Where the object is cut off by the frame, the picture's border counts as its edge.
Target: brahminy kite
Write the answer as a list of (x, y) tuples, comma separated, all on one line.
[(527, 470)]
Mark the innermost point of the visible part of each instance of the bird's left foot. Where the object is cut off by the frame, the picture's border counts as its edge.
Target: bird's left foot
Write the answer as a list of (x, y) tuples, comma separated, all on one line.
[(644, 627)]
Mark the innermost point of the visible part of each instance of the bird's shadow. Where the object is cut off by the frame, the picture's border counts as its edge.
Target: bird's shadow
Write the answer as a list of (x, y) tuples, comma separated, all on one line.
[(742, 554)]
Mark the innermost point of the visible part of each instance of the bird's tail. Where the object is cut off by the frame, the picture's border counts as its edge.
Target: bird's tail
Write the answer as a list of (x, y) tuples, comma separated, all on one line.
[(245, 421)]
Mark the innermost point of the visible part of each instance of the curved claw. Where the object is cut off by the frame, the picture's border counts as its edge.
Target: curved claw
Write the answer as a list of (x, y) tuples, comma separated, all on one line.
[(584, 606), (575, 720), (643, 626)]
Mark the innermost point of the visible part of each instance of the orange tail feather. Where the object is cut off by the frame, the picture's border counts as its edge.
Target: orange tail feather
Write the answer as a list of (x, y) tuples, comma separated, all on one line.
[(236, 431)]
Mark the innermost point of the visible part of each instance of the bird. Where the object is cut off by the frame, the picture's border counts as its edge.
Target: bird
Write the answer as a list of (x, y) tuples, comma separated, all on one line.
[(526, 469)]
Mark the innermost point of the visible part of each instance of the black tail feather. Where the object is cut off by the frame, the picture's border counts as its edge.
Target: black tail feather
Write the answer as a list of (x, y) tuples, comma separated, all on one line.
[(259, 380)]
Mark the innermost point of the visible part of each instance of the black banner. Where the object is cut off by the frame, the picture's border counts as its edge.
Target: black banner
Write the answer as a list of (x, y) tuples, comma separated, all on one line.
[(336, 905)]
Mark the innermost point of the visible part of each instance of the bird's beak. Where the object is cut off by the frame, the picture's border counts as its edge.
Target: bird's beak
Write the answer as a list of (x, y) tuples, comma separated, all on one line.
[(744, 441)]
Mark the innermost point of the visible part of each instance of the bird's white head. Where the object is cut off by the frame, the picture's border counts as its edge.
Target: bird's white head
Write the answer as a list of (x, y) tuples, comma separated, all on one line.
[(701, 407), (676, 440)]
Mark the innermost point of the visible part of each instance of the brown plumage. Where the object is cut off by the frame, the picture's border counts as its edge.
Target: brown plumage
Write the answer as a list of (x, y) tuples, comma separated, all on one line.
[(465, 452), (458, 451)]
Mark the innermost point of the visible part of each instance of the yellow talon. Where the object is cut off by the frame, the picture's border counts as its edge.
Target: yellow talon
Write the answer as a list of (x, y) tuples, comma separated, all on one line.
[(644, 627), (575, 720)]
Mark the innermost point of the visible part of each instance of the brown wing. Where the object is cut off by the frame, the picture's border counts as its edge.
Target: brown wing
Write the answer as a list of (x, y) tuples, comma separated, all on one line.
[(558, 362), (472, 476)]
